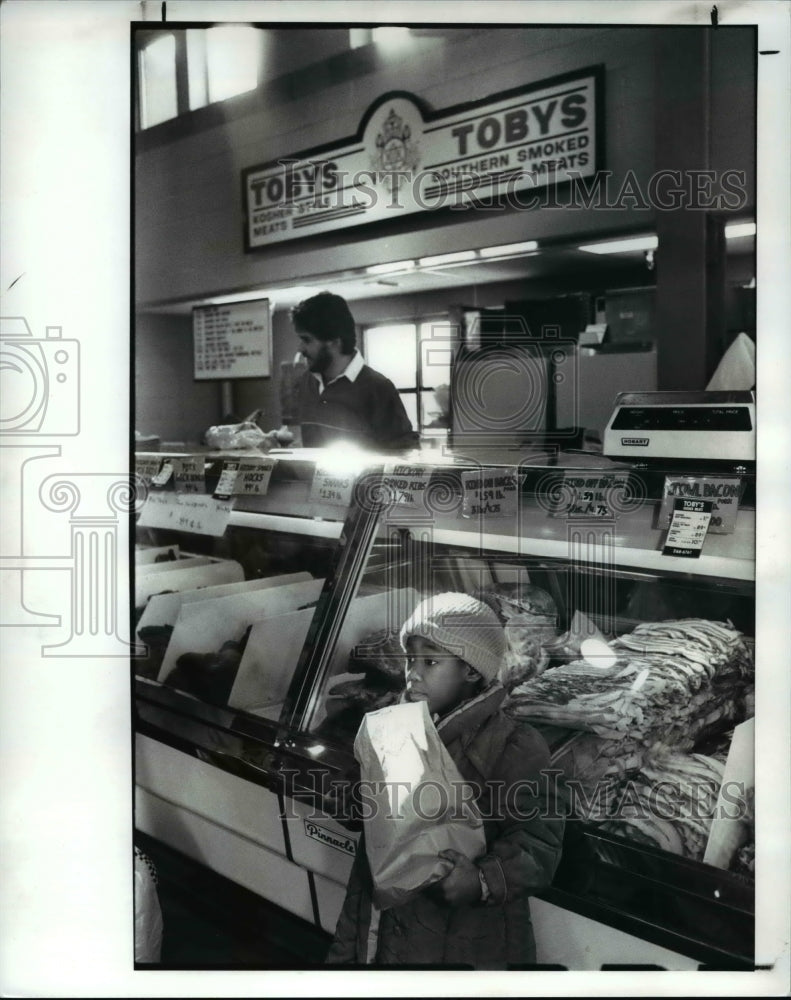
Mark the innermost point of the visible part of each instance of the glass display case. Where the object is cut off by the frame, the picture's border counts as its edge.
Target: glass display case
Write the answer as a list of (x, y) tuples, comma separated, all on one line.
[(565, 549)]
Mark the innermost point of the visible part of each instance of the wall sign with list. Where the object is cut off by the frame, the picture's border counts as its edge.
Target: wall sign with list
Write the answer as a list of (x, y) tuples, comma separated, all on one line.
[(232, 341)]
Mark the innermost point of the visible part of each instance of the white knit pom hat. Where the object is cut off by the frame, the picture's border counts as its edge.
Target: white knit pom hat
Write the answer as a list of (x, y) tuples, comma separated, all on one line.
[(464, 627)]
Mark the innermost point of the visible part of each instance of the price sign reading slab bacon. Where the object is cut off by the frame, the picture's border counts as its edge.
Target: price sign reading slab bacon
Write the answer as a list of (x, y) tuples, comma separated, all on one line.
[(724, 494), (491, 493), (331, 487)]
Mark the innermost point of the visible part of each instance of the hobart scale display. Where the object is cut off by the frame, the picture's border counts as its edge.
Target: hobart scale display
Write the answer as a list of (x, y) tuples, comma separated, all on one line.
[(716, 426)]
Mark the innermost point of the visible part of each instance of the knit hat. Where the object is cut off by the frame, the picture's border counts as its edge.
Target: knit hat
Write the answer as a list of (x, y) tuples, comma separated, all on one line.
[(466, 628)]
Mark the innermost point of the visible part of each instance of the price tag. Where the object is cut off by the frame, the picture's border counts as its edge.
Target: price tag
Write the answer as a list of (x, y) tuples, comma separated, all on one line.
[(189, 474), (253, 476), (406, 485), (226, 484), (200, 514), (491, 493), (331, 487), (724, 493), (164, 474), (583, 495), (688, 528), (146, 467)]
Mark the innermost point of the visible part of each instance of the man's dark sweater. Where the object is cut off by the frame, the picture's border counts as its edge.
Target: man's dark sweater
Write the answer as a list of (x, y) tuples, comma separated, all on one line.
[(367, 412)]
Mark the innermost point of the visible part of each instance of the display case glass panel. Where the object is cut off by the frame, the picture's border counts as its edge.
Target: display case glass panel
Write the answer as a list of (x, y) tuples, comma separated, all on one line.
[(224, 618)]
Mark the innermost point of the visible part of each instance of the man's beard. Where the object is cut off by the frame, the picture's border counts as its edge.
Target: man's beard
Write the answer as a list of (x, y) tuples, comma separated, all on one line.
[(322, 361)]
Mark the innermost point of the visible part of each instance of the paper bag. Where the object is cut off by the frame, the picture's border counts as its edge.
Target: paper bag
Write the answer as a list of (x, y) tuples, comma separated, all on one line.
[(417, 803)]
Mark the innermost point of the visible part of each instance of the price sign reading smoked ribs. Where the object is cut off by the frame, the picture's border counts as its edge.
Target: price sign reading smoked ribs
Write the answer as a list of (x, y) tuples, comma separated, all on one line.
[(406, 485)]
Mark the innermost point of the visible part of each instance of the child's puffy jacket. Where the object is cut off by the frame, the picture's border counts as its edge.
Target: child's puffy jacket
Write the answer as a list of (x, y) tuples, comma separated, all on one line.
[(523, 850)]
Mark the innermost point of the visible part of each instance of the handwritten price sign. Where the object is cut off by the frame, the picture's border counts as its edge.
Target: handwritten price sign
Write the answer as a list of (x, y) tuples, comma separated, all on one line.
[(406, 485), (254, 476), (582, 495), (189, 474), (146, 467), (491, 494), (202, 515), (331, 487), (245, 477), (724, 494)]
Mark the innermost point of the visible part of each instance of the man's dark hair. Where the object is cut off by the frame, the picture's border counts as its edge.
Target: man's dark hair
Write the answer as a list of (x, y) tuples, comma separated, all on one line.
[(326, 316)]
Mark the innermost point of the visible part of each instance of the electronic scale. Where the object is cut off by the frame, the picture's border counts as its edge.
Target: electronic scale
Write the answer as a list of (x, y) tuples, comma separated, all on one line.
[(708, 426)]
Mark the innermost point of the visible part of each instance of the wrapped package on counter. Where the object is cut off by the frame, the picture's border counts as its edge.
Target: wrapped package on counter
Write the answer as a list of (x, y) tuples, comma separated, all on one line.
[(417, 805)]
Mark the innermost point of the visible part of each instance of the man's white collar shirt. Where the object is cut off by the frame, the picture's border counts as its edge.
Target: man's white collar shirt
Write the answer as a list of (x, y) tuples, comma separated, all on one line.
[(351, 371)]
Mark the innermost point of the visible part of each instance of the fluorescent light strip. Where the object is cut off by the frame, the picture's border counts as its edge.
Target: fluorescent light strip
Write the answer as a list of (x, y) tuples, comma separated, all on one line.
[(399, 265), (448, 258), (217, 300), (737, 229), (391, 36), (509, 248), (622, 246), (302, 292), (732, 231)]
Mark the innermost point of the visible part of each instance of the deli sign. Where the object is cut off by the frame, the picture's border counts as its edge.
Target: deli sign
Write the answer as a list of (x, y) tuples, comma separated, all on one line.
[(406, 159)]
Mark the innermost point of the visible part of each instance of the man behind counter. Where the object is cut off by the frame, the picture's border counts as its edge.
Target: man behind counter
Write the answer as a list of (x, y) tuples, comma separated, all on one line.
[(340, 397)]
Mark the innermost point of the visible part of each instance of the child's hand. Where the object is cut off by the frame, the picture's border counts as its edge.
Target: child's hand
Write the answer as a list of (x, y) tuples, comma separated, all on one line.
[(461, 886), (341, 802)]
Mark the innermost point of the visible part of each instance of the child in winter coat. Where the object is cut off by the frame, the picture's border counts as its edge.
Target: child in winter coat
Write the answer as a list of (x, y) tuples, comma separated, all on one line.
[(478, 915)]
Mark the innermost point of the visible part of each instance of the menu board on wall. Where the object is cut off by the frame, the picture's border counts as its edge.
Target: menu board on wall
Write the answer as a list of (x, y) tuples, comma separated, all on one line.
[(232, 341)]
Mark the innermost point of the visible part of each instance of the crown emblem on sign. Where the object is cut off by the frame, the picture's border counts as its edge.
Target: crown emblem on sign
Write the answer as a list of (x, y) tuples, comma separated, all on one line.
[(396, 151), (394, 128)]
